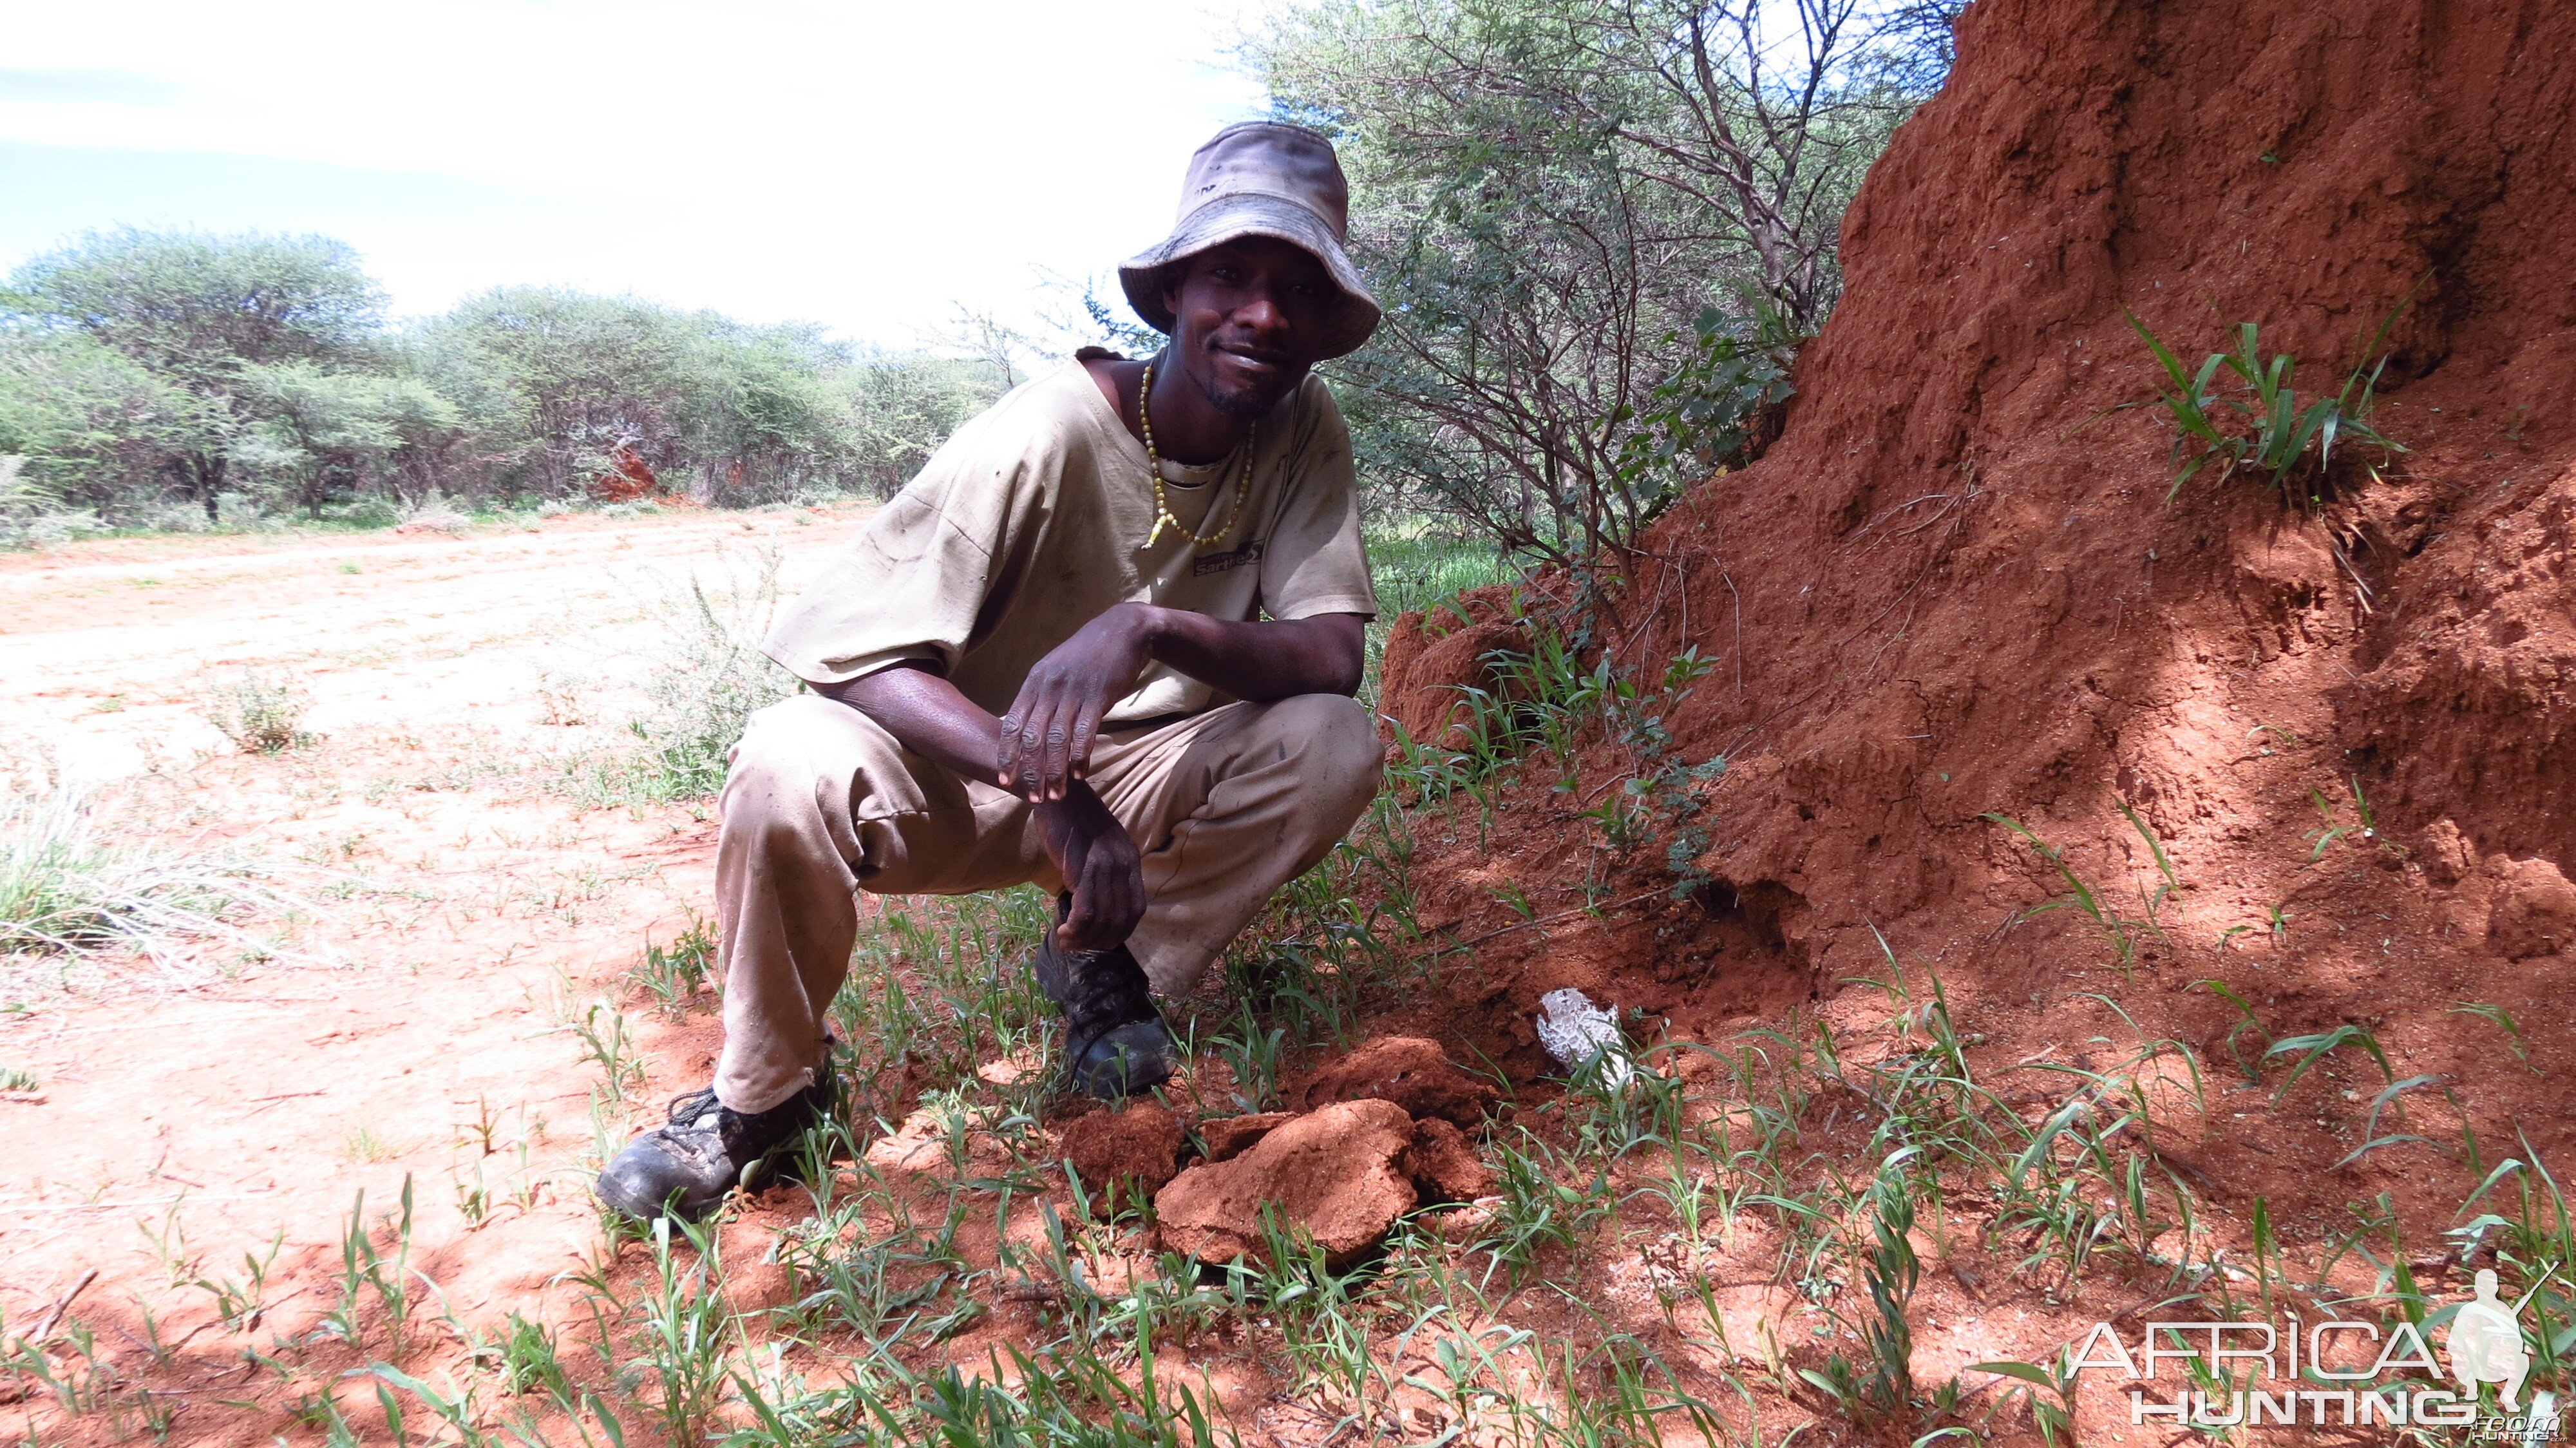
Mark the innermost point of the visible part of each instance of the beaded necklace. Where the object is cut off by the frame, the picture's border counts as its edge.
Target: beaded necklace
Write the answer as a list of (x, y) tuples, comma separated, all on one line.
[(1154, 464)]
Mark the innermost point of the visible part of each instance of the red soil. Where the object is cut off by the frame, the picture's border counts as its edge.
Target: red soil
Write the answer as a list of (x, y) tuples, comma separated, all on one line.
[(1139, 1144), (1228, 1137), (1407, 1070), (1443, 1163), (1954, 587), (1333, 1172)]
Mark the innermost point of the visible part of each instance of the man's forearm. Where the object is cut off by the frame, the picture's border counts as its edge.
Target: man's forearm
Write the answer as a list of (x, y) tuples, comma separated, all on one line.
[(1277, 659), (927, 715)]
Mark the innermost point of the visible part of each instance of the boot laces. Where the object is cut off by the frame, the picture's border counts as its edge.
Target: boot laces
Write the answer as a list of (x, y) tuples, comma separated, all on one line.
[(691, 1107)]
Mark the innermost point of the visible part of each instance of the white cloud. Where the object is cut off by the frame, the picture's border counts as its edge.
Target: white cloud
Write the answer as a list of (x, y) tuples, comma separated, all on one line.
[(862, 165)]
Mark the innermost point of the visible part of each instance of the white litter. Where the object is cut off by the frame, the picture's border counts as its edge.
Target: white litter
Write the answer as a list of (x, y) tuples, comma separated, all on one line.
[(1575, 1032)]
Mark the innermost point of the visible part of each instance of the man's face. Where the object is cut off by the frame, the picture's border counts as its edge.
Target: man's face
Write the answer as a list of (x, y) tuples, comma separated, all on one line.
[(1249, 319)]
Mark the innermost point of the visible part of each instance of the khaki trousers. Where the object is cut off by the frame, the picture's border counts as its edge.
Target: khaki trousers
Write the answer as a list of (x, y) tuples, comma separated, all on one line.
[(1225, 807)]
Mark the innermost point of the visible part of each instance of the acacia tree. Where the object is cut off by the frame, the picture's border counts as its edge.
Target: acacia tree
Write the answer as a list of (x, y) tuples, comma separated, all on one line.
[(90, 426), (202, 315), (1596, 225), (131, 363), (324, 432)]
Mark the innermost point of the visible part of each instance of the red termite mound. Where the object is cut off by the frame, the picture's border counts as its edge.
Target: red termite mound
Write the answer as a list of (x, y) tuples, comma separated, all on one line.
[(1955, 586)]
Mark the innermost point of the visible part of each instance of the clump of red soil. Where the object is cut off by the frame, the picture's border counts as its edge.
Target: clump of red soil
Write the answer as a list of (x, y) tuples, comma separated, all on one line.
[(1138, 1144), (1443, 1163), (627, 478), (1332, 1173), (1453, 647), (1411, 1072), (1954, 588), (1227, 1137)]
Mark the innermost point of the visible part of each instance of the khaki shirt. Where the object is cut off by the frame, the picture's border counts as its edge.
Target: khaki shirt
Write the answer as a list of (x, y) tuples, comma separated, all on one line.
[(1032, 521)]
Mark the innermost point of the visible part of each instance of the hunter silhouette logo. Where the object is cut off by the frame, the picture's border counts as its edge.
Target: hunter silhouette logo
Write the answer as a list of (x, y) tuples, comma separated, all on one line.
[(2485, 1345)]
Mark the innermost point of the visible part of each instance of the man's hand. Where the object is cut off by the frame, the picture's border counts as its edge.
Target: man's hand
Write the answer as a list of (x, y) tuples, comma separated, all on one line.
[(1041, 750), (1098, 861), (1045, 745)]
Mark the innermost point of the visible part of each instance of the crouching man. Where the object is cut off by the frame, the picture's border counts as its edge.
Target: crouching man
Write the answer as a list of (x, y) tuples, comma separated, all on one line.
[(1107, 641)]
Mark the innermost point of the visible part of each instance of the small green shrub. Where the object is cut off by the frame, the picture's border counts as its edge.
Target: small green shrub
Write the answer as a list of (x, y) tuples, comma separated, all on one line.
[(2260, 424), (260, 713), (1710, 411), (673, 974)]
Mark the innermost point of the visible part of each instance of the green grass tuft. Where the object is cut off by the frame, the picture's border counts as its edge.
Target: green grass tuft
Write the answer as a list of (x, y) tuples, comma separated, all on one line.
[(2259, 424), (68, 887)]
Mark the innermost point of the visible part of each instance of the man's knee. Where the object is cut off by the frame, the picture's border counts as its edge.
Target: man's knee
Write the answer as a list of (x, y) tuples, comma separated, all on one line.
[(773, 769), (1336, 749)]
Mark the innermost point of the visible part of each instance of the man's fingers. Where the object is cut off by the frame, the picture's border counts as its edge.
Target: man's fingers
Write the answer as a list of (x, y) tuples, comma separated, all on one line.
[(1029, 774), (1108, 901), (1058, 747), (1086, 731), (1006, 745), (1085, 929)]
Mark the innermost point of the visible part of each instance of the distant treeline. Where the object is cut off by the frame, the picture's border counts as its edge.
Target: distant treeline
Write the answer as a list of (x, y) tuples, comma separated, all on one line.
[(153, 378)]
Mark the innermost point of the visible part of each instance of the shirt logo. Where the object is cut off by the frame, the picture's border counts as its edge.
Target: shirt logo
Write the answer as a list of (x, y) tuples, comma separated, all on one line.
[(1207, 563)]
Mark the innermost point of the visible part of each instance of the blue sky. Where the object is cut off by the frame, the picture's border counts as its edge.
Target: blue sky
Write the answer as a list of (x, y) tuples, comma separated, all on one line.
[(869, 166)]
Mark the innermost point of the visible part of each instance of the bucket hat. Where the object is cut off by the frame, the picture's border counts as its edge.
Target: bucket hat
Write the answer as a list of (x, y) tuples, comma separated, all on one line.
[(1261, 178)]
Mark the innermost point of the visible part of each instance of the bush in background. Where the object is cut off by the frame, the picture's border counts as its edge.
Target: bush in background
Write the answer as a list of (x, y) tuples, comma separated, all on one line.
[(139, 368)]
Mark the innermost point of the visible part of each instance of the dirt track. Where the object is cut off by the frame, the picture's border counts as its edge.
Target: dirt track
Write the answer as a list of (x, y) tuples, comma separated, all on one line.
[(419, 1013)]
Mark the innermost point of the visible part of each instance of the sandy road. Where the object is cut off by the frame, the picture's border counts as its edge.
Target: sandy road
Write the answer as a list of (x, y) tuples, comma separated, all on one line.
[(108, 649), (423, 1023)]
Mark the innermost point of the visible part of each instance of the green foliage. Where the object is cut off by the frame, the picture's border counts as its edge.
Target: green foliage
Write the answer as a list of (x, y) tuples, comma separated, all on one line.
[(1546, 198), (2268, 430), (2502, 1020), (2054, 1416), (687, 1328), (558, 387), (82, 426), (1703, 416), (203, 317), (673, 974), (138, 364), (2121, 933), (2315, 1048), (367, 1270)]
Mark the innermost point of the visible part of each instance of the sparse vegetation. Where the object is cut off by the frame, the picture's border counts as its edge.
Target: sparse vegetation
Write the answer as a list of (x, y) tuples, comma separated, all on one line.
[(703, 676), (2121, 933), (2260, 425), (1806, 1206), (260, 712), (74, 883), (673, 975), (178, 380)]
